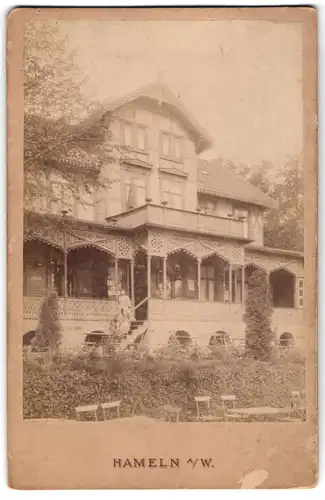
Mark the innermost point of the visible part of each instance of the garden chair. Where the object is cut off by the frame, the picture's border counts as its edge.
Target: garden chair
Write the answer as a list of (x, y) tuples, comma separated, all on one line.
[(206, 411), (172, 411), (111, 405), (87, 409), (229, 402), (203, 406), (298, 404)]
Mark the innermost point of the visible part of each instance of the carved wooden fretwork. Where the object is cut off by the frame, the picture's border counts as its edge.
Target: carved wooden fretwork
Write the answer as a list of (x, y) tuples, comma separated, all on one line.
[(73, 308), (52, 233), (162, 244), (271, 263), (45, 231), (78, 238), (124, 248)]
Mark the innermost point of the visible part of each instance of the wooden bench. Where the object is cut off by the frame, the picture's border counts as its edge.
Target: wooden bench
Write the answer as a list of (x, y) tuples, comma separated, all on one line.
[(111, 405), (87, 409), (171, 411)]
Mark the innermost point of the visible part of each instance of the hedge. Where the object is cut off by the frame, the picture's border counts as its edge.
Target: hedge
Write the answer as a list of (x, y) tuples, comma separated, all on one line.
[(146, 384)]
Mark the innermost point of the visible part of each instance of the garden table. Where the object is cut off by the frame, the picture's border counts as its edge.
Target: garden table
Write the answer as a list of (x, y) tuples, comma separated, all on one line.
[(263, 410)]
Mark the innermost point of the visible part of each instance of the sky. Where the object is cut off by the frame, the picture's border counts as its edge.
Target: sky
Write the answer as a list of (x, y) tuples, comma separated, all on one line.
[(240, 79)]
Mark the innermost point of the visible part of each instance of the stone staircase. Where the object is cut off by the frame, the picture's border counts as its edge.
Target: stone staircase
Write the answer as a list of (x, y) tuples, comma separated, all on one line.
[(136, 333)]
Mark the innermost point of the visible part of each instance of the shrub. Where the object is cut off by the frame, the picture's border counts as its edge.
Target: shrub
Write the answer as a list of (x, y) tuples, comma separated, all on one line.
[(48, 333), (259, 335), (146, 384)]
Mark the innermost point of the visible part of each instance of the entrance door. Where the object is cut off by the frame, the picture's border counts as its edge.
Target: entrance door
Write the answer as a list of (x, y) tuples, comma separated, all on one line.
[(140, 286)]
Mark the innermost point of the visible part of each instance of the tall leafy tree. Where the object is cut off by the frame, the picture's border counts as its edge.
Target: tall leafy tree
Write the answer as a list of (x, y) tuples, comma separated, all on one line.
[(259, 335), (53, 103), (284, 225)]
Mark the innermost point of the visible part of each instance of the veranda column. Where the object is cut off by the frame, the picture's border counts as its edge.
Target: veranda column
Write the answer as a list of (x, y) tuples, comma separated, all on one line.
[(65, 269), (243, 284), (165, 276), (149, 275), (230, 283), (132, 278), (65, 291), (116, 273), (199, 279)]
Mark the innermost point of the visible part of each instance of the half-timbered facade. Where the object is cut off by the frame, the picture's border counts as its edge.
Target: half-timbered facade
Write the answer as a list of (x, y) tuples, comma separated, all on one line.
[(181, 235)]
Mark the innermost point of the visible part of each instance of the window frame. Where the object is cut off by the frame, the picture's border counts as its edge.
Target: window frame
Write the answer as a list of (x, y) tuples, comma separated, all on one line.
[(129, 175), (163, 191), (134, 136), (300, 292), (60, 202), (171, 156)]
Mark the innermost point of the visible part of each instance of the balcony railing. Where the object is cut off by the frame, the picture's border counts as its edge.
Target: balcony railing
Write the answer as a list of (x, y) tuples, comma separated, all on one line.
[(180, 219), (75, 308), (170, 310)]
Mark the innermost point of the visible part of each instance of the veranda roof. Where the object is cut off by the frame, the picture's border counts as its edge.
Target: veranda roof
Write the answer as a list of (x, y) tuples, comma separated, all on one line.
[(215, 179)]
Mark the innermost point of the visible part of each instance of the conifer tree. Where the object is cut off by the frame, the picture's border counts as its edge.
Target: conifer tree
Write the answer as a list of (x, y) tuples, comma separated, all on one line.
[(48, 333), (259, 335)]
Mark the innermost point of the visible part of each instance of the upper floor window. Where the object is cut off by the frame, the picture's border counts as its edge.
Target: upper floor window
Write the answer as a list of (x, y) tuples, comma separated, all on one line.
[(171, 146), (128, 134), (207, 205), (86, 204), (135, 191), (79, 202), (60, 196), (172, 193), (134, 136)]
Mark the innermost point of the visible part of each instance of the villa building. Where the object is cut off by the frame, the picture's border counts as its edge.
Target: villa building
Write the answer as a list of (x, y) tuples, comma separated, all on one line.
[(180, 234)]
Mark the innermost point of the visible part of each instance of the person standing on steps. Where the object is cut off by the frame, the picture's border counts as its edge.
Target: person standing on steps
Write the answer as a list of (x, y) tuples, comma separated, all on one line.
[(125, 308)]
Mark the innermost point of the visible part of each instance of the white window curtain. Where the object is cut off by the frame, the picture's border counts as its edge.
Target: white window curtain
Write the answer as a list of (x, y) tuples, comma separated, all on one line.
[(178, 153), (141, 137), (135, 192), (172, 193), (128, 134)]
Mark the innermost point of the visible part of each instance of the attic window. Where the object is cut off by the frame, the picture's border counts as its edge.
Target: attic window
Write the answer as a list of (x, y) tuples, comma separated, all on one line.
[(134, 136), (171, 146)]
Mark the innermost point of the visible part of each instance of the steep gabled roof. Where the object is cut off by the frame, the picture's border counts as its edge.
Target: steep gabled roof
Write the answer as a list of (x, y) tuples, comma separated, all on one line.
[(160, 93), (217, 180)]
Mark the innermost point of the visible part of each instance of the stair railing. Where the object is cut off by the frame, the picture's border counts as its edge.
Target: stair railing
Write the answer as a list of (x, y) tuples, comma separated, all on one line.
[(141, 303)]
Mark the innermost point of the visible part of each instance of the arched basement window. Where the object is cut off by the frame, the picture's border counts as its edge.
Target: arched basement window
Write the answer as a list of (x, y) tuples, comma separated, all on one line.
[(183, 337), (287, 340), (220, 338), (283, 288)]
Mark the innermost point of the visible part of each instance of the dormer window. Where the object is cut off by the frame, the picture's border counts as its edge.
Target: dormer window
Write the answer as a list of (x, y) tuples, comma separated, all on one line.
[(171, 146), (134, 136)]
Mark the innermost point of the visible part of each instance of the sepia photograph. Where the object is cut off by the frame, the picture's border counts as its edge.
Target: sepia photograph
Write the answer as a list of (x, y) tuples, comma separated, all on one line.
[(163, 235), (163, 222)]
